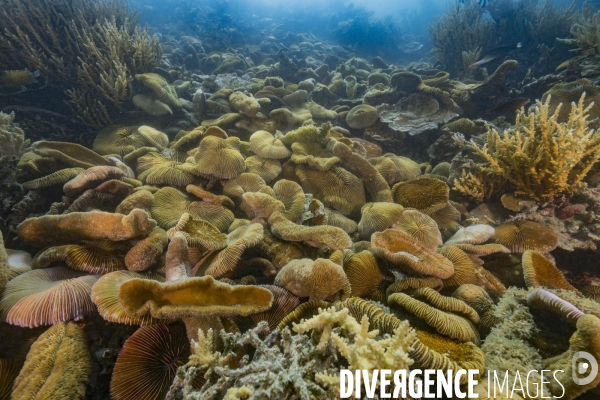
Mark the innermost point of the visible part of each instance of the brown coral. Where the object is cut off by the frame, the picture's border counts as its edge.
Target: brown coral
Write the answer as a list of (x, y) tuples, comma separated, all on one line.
[(319, 279), (58, 365), (409, 255), (521, 235), (47, 296)]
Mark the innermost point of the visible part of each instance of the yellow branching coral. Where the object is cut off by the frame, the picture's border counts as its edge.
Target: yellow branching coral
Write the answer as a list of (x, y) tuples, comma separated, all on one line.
[(478, 184), (12, 138), (357, 344), (541, 157)]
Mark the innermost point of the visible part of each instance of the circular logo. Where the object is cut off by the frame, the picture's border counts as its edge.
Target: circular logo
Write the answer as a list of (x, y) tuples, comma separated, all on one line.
[(583, 364)]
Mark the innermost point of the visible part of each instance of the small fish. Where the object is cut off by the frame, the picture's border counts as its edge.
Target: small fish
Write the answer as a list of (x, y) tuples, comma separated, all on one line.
[(18, 78), (495, 53), (568, 87), (509, 106)]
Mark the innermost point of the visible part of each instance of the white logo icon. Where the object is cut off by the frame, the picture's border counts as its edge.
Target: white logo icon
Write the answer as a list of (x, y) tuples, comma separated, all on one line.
[(580, 367)]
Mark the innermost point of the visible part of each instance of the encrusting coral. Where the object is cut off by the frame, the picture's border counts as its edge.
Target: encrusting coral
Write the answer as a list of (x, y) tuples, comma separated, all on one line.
[(541, 157)]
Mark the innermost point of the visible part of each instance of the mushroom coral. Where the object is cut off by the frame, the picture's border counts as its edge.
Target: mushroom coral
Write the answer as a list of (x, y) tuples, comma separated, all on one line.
[(65, 228), (318, 280), (185, 296), (58, 365), (47, 296), (148, 362), (409, 255)]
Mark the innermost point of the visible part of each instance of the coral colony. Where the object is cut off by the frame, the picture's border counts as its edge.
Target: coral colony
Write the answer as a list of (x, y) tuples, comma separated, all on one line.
[(222, 205)]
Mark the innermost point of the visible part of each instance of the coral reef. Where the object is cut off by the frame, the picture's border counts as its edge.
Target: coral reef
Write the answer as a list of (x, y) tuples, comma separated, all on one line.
[(95, 62), (541, 157)]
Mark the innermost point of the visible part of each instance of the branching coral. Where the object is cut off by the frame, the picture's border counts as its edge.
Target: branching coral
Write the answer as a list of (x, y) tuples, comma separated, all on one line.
[(12, 138), (94, 48), (282, 366), (357, 344), (541, 157), (478, 185), (461, 29)]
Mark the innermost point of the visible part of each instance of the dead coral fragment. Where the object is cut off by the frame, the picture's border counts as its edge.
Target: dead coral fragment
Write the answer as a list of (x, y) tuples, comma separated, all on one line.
[(541, 157), (58, 365)]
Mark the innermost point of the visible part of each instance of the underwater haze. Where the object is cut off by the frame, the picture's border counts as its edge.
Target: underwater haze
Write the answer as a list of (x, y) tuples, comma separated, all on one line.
[(258, 199)]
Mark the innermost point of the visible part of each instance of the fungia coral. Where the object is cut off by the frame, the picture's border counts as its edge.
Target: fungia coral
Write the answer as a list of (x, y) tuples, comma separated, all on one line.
[(541, 157)]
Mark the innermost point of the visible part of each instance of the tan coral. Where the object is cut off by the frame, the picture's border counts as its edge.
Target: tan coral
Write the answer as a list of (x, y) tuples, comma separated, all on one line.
[(314, 155), (358, 165), (97, 257), (71, 154), (151, 106), (319, 279), (538, 271), (409, 255), (333, 237), (292, 196), (47, 296), (104, 295), (336, 188), (160, 87), (225, 262), (521, 235), (245, 104), (156, 169), (445, 321), (365, 276), (58, 365), (220, 158), (146, 252), (420, 226), (361, 116), (148, 363), (585, 339), (59, 177), (66, 228), (169, 204), (266, 168), (563, 94), (266, 145), (199, 233), (180, 298), (122, 140), (243, 183), (425, 194)]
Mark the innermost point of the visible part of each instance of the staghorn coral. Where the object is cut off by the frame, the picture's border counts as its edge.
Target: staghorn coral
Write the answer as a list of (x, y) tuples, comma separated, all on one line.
[(357, 344), (541, 157), (478, 185), (100, 50), (281, 365)]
